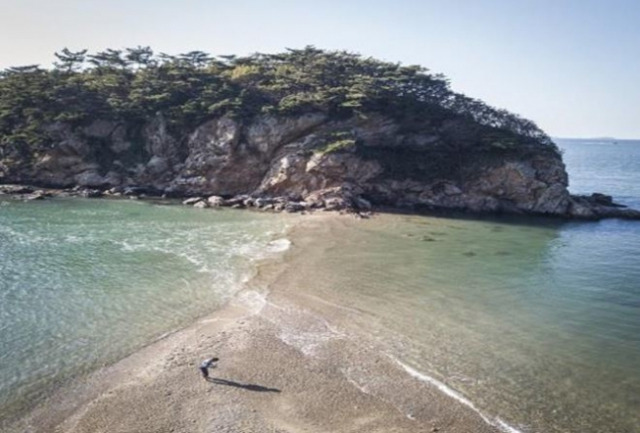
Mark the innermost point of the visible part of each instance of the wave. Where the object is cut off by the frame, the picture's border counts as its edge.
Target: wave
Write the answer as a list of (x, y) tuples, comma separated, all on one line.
[(279, 245), (495, 422)]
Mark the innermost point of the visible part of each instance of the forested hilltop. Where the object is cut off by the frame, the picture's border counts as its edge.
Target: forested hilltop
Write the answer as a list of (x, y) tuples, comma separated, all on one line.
[(311, 127), (134, 84)]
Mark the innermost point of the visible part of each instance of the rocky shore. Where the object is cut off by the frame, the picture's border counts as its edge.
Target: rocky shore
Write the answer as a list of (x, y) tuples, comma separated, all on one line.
[(305, 162), (305, 129), (594, 207)]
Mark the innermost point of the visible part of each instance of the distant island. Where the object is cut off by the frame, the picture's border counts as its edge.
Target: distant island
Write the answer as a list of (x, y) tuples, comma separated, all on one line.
[(302, 129)]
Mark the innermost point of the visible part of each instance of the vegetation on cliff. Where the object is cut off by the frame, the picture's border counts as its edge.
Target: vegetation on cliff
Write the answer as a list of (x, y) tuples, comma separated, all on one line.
[(134, 84)]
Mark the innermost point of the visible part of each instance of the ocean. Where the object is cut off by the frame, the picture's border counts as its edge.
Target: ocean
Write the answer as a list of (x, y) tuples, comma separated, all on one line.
[(85, 282), (532, 322)]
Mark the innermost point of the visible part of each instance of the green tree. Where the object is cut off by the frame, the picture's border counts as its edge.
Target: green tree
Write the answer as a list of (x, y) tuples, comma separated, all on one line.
[(70, 61)]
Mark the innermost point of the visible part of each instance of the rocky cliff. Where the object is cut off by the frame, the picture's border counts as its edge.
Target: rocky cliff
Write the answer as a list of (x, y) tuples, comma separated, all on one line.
[(314, 161), (301, 129)]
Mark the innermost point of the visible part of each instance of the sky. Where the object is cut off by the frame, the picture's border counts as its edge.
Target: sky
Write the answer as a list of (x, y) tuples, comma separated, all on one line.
[(571, 66)]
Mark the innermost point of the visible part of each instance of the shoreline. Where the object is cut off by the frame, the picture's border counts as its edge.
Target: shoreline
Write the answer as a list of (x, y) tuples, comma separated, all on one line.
[(276, 381), (594, 207)]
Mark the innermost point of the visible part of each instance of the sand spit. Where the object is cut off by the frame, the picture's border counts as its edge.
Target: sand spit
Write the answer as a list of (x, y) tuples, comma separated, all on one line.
[(286, 365)]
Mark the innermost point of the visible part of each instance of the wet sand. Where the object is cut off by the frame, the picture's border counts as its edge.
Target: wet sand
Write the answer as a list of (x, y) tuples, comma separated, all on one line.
[(288, 363)]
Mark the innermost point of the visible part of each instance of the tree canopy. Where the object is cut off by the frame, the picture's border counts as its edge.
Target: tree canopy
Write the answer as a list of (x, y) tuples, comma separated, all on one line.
[(135, 83)]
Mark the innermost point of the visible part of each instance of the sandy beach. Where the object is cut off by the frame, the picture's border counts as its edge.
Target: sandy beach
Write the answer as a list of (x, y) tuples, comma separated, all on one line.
[(288, 363)]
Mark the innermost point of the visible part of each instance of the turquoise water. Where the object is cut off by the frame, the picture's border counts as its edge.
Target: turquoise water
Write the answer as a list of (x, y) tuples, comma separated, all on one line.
[(536, 322), (84, 282)]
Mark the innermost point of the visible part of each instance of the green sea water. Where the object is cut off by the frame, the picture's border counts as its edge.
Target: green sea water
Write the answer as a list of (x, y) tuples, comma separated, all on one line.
[(85, 282), (533, 322), (536, 323)]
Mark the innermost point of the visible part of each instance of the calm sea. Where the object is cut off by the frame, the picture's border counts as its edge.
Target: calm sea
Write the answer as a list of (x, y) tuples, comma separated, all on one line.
[(85, 282), (534, 322)]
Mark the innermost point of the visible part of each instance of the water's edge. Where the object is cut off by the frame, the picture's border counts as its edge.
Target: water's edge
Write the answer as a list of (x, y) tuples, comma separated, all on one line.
[(252, 298)]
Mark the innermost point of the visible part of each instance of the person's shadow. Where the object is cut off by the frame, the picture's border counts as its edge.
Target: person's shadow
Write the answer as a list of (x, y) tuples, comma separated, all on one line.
[(247, 386)]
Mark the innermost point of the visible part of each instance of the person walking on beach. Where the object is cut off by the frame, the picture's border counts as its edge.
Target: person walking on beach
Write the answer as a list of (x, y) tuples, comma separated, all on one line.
[(205, 365)]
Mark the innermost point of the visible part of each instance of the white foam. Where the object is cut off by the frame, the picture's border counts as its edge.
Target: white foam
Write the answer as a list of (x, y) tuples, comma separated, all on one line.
[(252, 300), (279, 245), (301, 329), (306, 342), (506, 427), (496, 422)]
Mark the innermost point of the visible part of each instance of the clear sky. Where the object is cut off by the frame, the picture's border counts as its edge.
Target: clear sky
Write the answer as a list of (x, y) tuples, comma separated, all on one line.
[(572, 66)]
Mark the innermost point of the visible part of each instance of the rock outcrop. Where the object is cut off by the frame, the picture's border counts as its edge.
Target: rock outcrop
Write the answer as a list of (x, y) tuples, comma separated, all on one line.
[(313, 161)]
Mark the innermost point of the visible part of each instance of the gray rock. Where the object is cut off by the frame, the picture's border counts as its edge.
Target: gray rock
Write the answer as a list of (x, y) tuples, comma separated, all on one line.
[(216, 136), (100, 128), (268, 133), (248, 202), (158, 141), (335, 203), (290, 158), (581, 209), (36, 195), (119, 142), (90, 193), (262, 202), (294, 207), (363, 204), (601, 199), (16, 189), (451, 189), (192, 201), (90, 178), (157, 165), (215, 201)]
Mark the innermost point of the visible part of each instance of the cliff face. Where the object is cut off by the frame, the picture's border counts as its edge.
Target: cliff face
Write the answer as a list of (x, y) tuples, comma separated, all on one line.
[(311, 160)]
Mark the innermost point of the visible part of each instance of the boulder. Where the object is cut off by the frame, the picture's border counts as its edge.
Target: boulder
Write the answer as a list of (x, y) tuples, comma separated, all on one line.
[(215, 201), (294, 207), (192, 201), (90, 193), (262, 202), (363, 204), (16, 189), (601, 199), (90, 178), (36, 195)]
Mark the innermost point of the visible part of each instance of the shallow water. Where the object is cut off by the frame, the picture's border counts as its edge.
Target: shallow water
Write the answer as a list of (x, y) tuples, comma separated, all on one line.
[(84, 282), (534, 322)]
